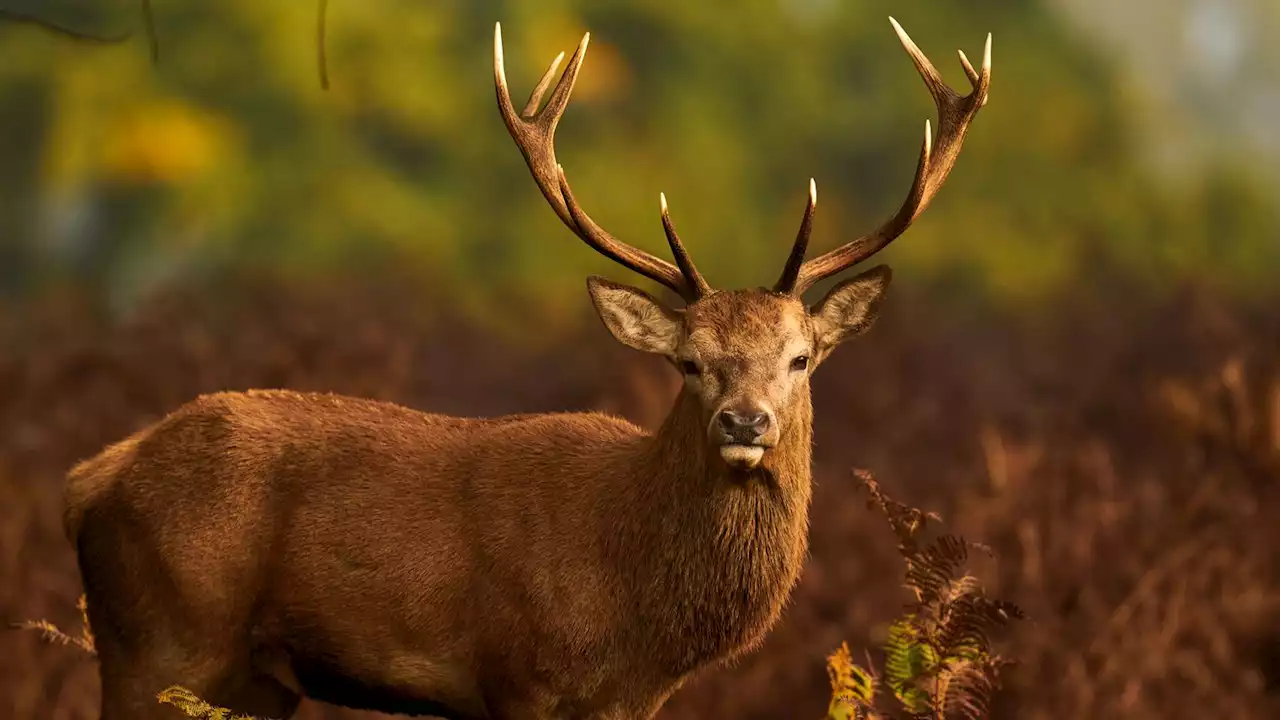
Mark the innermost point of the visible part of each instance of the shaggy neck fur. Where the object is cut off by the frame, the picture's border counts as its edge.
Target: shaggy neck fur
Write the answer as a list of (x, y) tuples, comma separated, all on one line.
[(730, 543)]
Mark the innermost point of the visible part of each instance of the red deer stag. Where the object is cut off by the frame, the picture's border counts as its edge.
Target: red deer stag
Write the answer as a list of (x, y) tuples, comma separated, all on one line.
[(264, 546)]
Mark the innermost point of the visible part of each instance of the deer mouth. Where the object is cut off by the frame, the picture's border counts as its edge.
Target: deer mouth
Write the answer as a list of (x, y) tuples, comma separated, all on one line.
[(742, 456)]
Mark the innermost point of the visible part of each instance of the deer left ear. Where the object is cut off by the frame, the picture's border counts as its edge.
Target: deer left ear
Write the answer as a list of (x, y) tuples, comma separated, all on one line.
[(848, 309), (634, 317)]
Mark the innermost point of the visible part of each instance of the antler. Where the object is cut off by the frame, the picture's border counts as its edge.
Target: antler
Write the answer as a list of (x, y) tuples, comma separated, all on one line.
[(954, 115), (534, 133)]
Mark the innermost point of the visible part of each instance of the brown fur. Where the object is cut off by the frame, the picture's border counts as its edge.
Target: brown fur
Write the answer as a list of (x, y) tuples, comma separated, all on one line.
[(260, 546)]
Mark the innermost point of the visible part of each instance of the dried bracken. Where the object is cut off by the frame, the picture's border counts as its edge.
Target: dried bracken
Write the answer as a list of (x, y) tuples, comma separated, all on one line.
[(50, 633), (853, 688), (939, 662), (194, 707)]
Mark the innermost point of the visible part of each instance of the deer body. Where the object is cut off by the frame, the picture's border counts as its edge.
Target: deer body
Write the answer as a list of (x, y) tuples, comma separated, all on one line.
[(373, 556), (264, 546)]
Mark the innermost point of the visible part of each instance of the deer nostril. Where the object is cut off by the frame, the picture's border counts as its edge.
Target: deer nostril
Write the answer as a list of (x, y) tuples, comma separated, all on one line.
[(756, 423)]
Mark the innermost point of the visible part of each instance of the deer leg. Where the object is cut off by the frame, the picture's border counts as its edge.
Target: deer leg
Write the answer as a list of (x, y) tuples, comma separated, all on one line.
[(134, 674), (130, 689), (130, 686), (258, 696)]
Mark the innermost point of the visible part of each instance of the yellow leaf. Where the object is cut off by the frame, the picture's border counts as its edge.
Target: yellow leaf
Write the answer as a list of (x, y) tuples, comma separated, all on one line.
[(162, 142)]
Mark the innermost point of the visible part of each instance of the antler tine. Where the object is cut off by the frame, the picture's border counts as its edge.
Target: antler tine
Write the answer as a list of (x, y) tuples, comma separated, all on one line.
[(678, 251), (791, 272), (955, 113), (534, 133), (535, 97)]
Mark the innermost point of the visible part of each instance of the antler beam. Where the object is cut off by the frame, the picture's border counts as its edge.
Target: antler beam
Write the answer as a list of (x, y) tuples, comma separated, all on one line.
[(534, 133), (955, 113)]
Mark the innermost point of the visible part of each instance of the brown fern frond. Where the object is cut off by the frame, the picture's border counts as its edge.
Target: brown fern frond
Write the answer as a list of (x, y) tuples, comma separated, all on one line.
[(192, 706), (52, 634), (939, 664), (960, 587), (930, 572), (86, 640), (853, 688), (970, 688), (840, 668), (48, 631), (905, 521), (966, 624)]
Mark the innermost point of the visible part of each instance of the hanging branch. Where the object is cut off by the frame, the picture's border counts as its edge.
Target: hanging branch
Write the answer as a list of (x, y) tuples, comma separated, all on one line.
[(51, 27), (153, 38), (322, 9), (149, 24)]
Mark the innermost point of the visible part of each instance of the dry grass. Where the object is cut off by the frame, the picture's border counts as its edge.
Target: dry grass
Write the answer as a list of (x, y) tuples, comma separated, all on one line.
[(1122, 462)]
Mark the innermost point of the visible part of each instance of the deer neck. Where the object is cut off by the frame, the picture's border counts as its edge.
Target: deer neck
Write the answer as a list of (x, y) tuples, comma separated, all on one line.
[(729, 544)]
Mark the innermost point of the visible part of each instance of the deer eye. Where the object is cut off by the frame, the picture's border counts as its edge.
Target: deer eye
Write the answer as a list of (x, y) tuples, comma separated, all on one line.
[(689, 367), (800, 363)]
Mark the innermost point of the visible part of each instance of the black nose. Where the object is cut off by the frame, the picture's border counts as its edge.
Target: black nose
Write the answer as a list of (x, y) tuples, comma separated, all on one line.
[(744, 426)]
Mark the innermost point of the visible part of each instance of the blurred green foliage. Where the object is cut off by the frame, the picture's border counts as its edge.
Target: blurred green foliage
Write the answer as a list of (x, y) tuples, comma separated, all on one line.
[(119, 174)]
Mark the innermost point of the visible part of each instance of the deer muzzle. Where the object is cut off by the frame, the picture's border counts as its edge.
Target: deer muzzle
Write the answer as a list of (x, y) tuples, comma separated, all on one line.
[(743, 433)]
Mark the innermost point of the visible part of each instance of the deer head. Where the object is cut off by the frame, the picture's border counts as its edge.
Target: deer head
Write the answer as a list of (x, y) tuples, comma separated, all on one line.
[(747, 355)]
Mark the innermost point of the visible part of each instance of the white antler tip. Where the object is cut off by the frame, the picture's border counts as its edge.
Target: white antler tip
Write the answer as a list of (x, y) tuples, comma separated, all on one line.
[(986, 55), (902, 34), (662, 198), (813, 192)]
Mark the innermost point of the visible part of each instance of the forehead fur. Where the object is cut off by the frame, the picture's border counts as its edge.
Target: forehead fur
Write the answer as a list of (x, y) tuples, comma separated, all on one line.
[(739, 321)]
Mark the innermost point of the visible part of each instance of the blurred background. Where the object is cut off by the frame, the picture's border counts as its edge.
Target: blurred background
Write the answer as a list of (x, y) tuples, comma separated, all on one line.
[(1079, 364)]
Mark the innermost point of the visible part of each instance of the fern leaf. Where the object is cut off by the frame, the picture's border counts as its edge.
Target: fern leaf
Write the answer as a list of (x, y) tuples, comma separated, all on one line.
[(86, 641), (904, 520), (969, 689), (50, 633), (968, 622), (930, 572), (192, 706), (853, 689), (910, 659)]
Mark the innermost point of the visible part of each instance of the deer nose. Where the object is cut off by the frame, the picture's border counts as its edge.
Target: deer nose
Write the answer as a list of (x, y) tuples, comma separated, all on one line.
[(744, 425)]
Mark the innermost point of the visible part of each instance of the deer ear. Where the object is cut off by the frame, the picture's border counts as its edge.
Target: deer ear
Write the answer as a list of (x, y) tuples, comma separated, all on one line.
[(634, 317), (849, 308)]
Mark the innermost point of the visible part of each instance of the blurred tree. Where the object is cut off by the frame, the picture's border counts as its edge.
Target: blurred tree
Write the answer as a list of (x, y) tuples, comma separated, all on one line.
[(1206, 72), (119, 174)]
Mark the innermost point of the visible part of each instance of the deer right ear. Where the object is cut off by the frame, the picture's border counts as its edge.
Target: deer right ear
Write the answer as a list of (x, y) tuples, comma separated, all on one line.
[(848, 309), (634, 317)]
